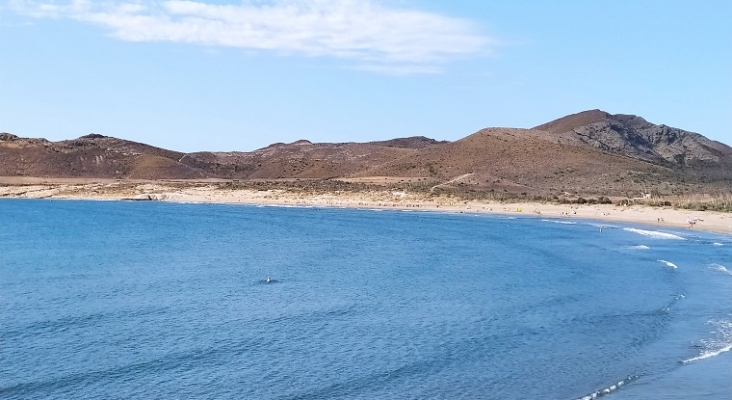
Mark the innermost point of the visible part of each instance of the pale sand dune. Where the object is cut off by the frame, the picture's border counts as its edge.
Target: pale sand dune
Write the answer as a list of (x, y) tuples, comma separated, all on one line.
[(386, 199)]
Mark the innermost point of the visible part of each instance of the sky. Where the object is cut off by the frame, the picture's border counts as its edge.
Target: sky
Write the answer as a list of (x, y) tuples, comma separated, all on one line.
[(240, 75)]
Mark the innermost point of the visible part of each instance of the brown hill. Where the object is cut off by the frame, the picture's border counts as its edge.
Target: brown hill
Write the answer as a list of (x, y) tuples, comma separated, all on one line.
[(296, 160), (592, 152), (90, 156), (522, 160)]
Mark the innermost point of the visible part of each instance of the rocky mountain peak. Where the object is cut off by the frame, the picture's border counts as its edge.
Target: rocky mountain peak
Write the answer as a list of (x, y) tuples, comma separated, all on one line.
[(93, 136), (633, 136), (7, 137)]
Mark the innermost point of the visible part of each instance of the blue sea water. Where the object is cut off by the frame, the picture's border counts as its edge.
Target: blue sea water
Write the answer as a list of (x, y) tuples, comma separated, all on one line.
[(122, 300)]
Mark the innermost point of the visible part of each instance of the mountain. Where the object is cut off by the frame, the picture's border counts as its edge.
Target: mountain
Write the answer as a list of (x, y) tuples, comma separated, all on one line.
[(636, 137), (592, 152)]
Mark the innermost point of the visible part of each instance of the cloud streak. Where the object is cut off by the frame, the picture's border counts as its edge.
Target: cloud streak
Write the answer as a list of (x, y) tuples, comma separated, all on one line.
[(374, 36)]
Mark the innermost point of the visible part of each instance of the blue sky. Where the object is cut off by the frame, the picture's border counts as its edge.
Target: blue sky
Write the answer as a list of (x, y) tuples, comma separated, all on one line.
[(239, 75)]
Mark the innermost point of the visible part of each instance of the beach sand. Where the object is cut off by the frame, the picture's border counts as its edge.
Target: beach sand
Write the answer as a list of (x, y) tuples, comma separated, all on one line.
[(213, 192)]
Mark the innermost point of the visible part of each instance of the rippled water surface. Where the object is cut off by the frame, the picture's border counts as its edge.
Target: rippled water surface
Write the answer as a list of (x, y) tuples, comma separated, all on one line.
[(159, 300)]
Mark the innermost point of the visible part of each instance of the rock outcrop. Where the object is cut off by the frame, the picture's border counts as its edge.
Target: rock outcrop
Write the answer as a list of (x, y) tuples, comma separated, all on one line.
[(634, 136)]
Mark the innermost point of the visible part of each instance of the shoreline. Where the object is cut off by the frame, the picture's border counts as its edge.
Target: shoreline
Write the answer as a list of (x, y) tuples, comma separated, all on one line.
[(386, 199)]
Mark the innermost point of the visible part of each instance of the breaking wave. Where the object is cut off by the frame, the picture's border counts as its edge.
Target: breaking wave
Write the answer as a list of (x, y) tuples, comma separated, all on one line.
[(668, 263), (639, 247), (720, 343), (717, 244), (708, 354), (720, 268), (654, 234)]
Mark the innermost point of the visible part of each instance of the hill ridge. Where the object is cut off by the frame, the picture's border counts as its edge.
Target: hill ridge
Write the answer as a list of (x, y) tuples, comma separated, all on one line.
[(591, 151)]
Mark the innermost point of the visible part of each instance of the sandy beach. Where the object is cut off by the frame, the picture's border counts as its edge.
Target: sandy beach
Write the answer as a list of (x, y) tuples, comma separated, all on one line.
[(377, 199)]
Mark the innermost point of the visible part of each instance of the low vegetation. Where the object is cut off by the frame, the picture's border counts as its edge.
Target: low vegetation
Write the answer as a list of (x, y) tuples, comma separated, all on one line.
[(697, 202)]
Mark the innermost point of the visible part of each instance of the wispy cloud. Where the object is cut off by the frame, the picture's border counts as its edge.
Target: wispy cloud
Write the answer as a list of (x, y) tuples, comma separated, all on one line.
[(373, 35)]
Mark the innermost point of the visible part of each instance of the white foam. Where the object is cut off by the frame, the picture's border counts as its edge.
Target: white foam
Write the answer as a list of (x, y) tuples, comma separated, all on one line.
[(708, 354), (603, 225), (717, 244), (668, 263), (654, 234), (558, 221), (606, 391), (720, 343), (640, 247), (720, 268)]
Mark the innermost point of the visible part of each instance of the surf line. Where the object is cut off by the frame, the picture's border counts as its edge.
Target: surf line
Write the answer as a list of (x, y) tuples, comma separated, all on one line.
[(708, 354), (606, 391), (654, 234)]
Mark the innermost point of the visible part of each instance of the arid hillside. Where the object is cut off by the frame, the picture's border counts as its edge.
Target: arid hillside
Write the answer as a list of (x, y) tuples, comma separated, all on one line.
[(592, 153), (90, 156)]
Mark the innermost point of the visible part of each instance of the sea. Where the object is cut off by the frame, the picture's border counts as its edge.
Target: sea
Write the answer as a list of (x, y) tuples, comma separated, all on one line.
[(157, 300)]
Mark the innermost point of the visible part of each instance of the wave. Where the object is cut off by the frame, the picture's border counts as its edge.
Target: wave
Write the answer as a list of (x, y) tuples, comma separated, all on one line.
[(668, 263), (559, 221), (608, 226), (639, 247), (606, 391), (717, 244), (720, 268), (708, 354), (654, 234), (721, 343)]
